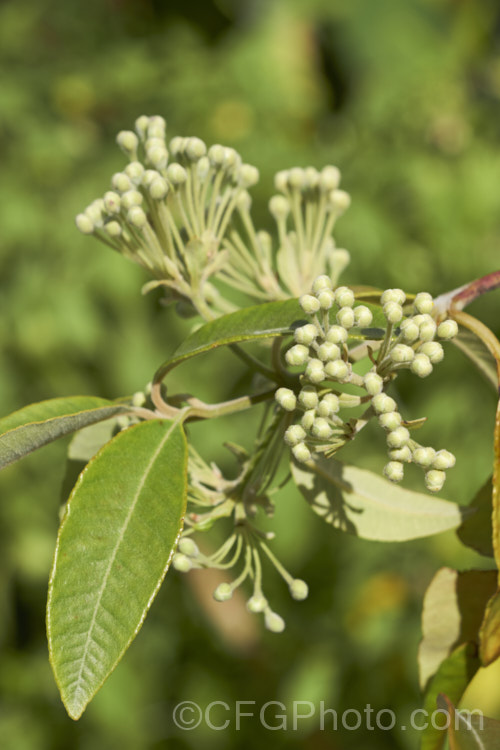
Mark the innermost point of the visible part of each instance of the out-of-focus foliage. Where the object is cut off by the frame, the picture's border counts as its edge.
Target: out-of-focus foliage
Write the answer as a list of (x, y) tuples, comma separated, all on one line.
[(404, 98)]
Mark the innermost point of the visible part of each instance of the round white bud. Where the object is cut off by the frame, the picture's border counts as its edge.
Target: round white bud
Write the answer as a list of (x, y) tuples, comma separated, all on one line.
[(84, 224), (294, 435), (274, 622), (394, 471), (427, 330), (301, 453), (345, 317), (326, 298), (188, 547), (444, 460), (286, 399), (311, 180), (383, 403), (434, 480), (223, 592), (112, 202), (402, 353), (307, 420), (423, 456), (423, 303), (135, 171), (249, 175), (128, 141), (393, 312), (297, 355), (137, 217), (113, 229), (433, 350), (390, 420), (315, 372), (398, 438), (157, 156), (328, 405), (344, 297), (339, 201), (121, 182), (256, 604), (421, 365), (299, 590), (309, 304), (176, 174), (373, 383), (177, 145), (363, 316), (322, 282), (195, 149), (401, 454), (329, 179), (296, 178), (393, 295), (182, 563), (130, 198), (141, 125), (308, 397), (305, 334), (409, 330), (321, 429), (328, 351), (215, 155), (338, 370), (337, 334), (447, 329), (281, 181), (279, 207), (158, 188)]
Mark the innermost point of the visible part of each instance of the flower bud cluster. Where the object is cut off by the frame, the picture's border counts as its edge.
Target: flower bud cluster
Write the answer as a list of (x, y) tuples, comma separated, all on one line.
[(320, 348)]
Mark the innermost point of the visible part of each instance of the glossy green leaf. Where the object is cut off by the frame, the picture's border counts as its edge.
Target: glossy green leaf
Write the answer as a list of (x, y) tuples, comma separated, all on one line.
[(490, 631), (452, 678), (453, 610), (36, 425), (476, 531), (114, 547), (469, 730), (476, 350), (367, 505)]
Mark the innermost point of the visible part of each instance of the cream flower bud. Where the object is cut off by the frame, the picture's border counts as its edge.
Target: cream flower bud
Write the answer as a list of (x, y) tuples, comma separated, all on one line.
[(274, 622), (294, 435), (281, 181), (84, 224), (401, 454), (301, 453), (373, 383), (434, 480), (447, 329), (427, 330), (337, 334), (309, 304), (195, 149), (433, 350), (328, 405), (402, 353), (112, 202), (307, 420), (344, 297), (297, 355), (345, 317), (390, 420), (121, 182), (394, 471), (286, 399), (423, 456), (128, 142), (322, 282), (398, 438), (113, 229), (305, 334), (423, 303), (383, 403), (421, 365), (158, 189), (327, 352), (363, 316), (299, 590), (338, 370), (256, 604), (182, 563), (339, 201), (308, 397), (393, 312), (409, 330), (215, 155), (321, 429), (188, 547), (249, 175), (444, 460), (315, 372), (135, 171), (326, 298), (137, 217), (279, 207), (141, 125), (223, 592), (393, 295), (296, 178), (176, 174), (329, 179), (130, 198)]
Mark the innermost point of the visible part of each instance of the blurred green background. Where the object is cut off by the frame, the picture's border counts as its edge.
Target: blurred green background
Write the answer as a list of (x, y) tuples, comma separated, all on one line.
[(404, 98)]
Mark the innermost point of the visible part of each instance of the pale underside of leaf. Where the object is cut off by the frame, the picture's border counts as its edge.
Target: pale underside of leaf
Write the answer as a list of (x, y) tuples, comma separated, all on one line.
[(114, 547), (366, 505)]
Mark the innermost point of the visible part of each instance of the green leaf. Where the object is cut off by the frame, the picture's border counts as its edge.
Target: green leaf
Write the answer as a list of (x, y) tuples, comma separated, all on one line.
[(366, 505), (495, 495), (490, 631), (36, 425), (452, 678), (453, 609), (476, 531), (114, 547), (477, 351), (468, 730)]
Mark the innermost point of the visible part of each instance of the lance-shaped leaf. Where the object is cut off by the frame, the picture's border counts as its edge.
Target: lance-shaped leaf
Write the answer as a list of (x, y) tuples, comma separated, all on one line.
[(366, 505), (490, 631), (495, 496), (453, 610), (476, 530), (469, 730), (115, 543), (476, 350), (452, 678), (36, 425)]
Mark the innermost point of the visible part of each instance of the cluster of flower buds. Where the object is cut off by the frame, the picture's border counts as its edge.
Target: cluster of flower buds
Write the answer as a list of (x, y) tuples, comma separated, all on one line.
[(321, 349), (211, 497)]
